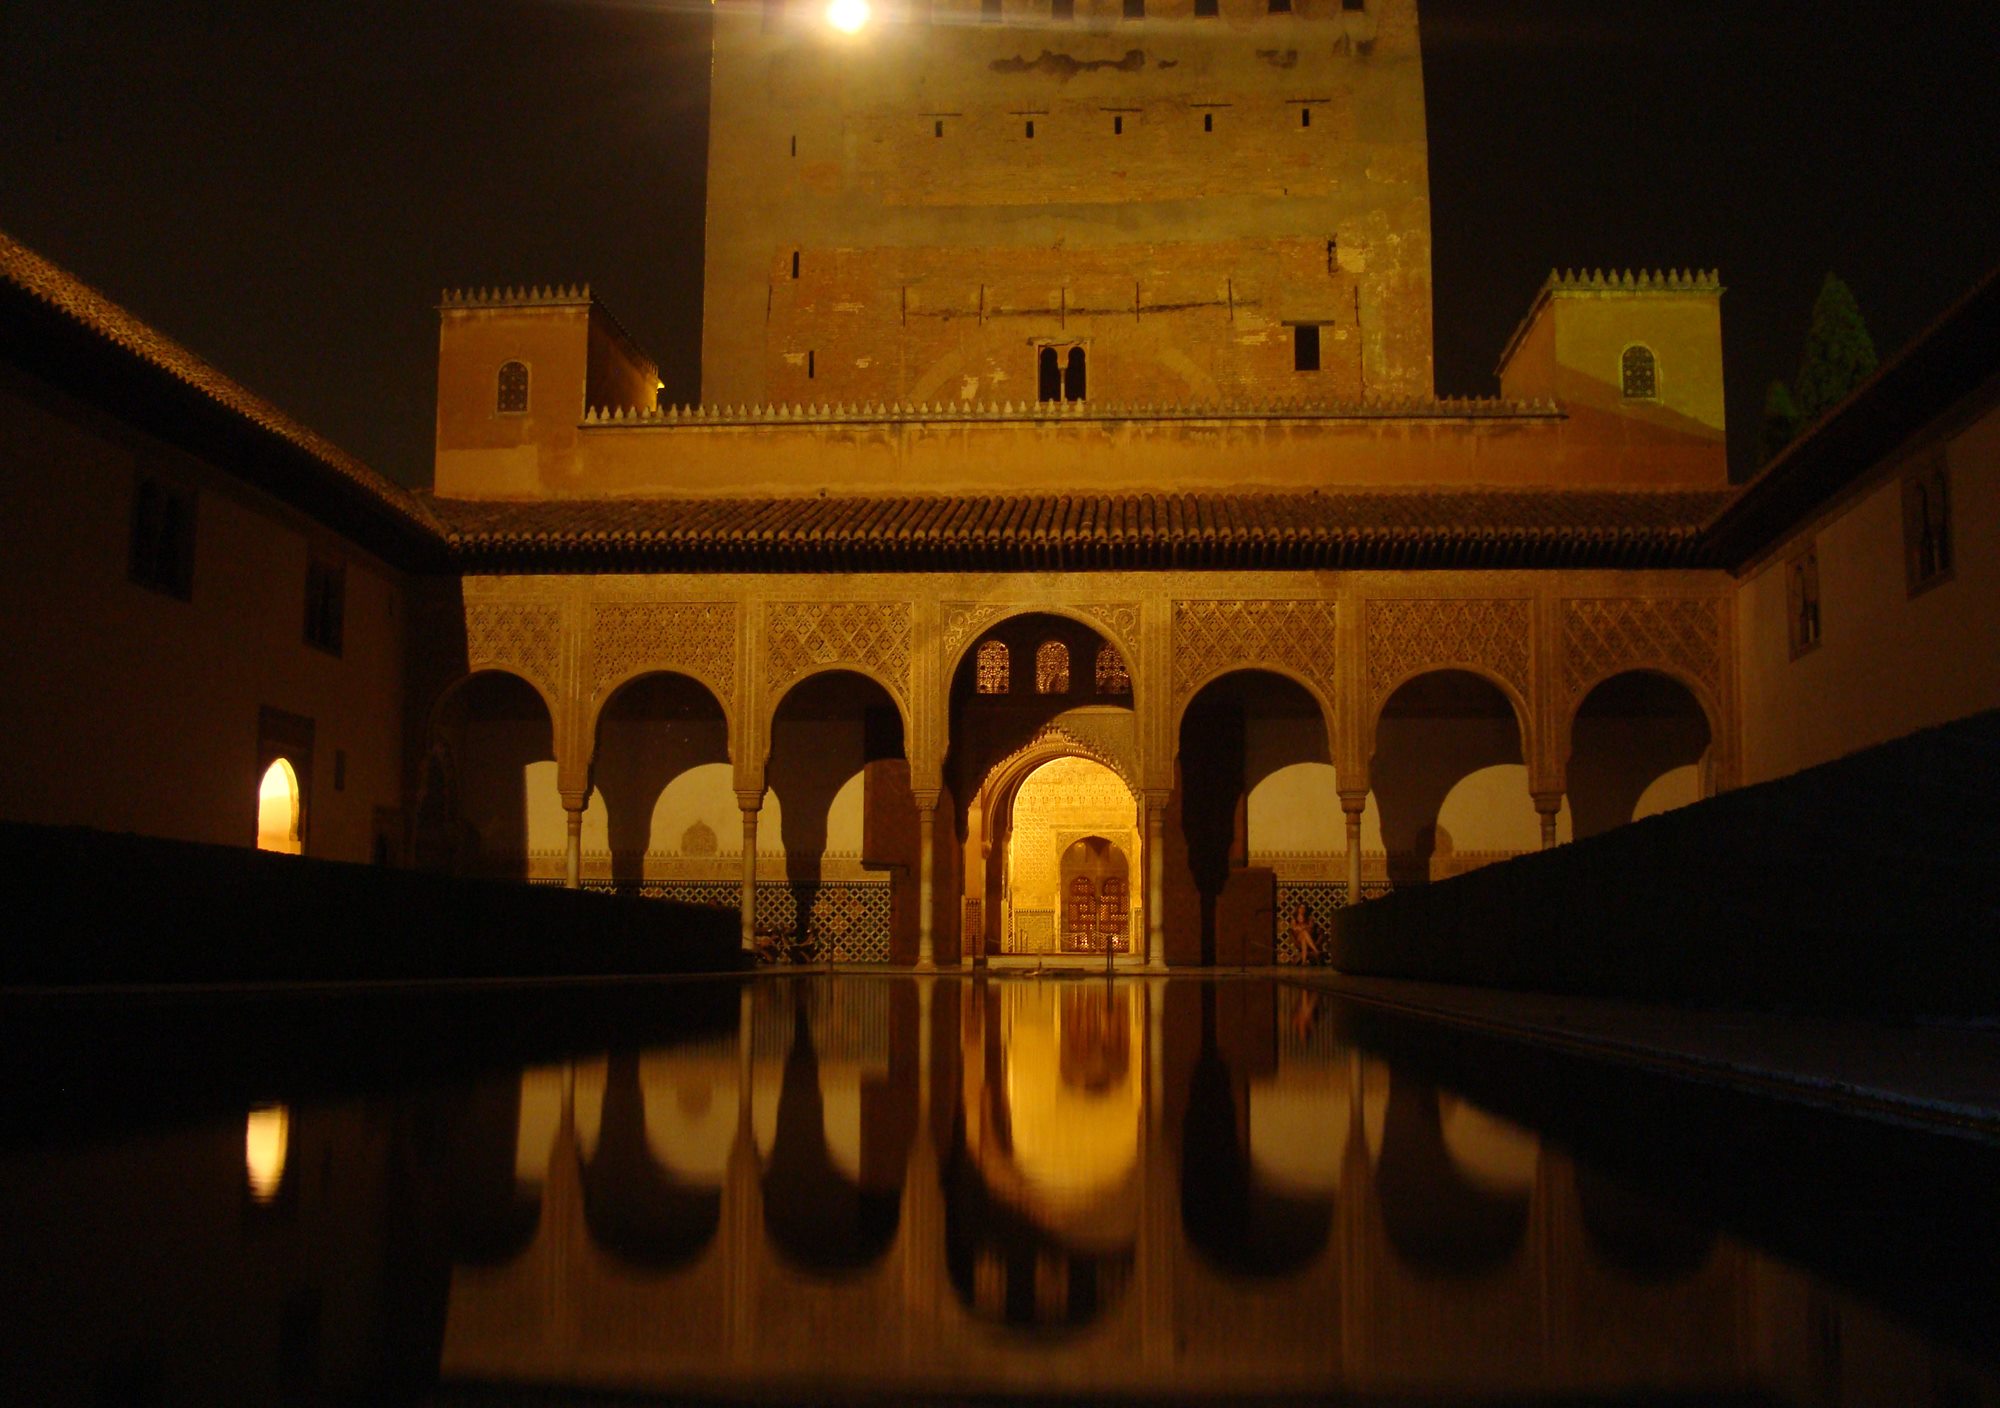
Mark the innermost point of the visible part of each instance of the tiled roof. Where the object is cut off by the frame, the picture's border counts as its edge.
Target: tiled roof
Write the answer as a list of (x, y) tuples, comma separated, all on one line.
[(103, 321), (1350, 528)]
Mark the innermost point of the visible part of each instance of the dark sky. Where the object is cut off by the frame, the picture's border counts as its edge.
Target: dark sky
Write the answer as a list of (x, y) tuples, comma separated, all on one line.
[(286, 187)]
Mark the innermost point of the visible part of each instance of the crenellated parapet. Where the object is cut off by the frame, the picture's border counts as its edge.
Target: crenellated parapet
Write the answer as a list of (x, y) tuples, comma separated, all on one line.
[(1452, 409)]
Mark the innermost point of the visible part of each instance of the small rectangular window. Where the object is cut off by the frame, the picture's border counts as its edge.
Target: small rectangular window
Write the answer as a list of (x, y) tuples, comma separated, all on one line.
[(1117, 126), (1305, 347), (1802, 600), (937, 128), (1031, 127), (1927, 527), (812, 359), (1208, 122), (1353, 4), (1206, 9), (1281, 7), (1305, 117), (795, 263), (162, 546), (989, 11), (1135, 9), (1062, 10), (326, 605)]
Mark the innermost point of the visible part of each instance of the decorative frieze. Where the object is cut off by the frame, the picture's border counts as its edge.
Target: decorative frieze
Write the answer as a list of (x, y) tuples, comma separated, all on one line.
[(524, 637), (693, 638), (804, 636), (1407, 638), (1213, 636), (1679, 636), (1117, 621)]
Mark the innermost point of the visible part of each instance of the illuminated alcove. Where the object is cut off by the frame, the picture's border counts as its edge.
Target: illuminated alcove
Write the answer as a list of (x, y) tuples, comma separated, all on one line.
[(266, 1134), (278, 810)]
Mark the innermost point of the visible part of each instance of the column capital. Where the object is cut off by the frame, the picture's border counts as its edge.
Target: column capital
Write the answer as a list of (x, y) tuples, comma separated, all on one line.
[(1156, 798), (1548, 803), (576, 802), (926, 798), (750, 801), (1354, 803)]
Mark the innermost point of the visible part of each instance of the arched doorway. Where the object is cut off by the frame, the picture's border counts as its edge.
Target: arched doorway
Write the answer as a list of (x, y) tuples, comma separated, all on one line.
[(490, 805), (1639, 746), (1068, 835), (1096, 886), (1257, 823), (846, 822), (278, 810), (1027, 691), (1450, 778)]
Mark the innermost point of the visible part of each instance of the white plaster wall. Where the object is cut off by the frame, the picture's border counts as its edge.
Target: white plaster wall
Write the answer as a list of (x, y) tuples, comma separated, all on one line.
[(1888, 664), (1492, 810)]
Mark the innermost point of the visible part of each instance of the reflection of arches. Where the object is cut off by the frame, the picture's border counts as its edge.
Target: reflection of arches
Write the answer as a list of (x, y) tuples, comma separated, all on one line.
[(653, 729), (1438, 730), (278, 809), (1639, 745), (1641, 1236), (816, 1216), (635, 1209), (1237, 1220), (1441, 1216)]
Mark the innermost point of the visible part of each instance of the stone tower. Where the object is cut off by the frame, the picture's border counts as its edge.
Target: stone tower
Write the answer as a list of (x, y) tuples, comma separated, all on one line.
[(1158, 201)]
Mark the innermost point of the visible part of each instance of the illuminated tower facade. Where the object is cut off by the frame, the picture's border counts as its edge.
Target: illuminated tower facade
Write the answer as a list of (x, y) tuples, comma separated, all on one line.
[(1169, 202)]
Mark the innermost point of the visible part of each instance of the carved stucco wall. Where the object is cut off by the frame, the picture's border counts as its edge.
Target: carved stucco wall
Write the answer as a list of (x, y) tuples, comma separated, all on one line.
[(523, 637), (1601, 637), (693, 638), (1211, 637), (1408, 638), (801, 637)]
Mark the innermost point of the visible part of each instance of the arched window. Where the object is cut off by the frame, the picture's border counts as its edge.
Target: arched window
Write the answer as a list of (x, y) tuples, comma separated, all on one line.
[(995, 669), (1641, 374), (1052, 668), (1048, 380), (1112, 676), (513, 388), (265, 1135), (278, 810), (1073, 383)]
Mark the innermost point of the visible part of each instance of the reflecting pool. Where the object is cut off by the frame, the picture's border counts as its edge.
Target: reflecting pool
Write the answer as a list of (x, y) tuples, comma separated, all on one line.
[(855, 1186)]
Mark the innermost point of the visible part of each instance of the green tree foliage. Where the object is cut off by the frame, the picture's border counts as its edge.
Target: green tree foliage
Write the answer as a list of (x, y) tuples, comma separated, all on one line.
[(1839, 353), (1780, 424)]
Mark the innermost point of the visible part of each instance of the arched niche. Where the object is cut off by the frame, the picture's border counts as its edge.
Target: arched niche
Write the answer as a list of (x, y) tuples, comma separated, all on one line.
[(279, 809), (486, 791), (1450, 747), (651, 732), (1639, 745)]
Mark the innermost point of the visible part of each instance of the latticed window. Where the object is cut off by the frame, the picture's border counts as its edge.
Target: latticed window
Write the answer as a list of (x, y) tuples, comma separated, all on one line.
[(1052, 668), (1112, 676), (1642, 374), (513, 388), (995, 670)]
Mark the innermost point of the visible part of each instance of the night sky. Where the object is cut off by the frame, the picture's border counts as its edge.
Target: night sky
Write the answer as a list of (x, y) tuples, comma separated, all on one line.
[(286, 187)]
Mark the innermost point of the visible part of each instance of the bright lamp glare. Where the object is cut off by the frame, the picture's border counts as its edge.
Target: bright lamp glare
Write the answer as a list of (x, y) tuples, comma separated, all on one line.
[(847, 16)]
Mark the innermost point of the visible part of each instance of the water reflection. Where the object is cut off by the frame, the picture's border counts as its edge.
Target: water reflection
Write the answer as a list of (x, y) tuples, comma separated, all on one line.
[(879, 1183)]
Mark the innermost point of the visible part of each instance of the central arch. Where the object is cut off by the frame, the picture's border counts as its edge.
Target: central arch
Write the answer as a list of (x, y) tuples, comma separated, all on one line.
[(1035, 812)]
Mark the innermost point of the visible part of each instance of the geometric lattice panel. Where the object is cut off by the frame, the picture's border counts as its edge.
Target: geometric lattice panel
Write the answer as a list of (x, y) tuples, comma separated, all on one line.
[(1323, 899), (1406, 638), (525, 637), (1601, 638), (847, 921), (1212, 636), (696, 638), (803, 636)]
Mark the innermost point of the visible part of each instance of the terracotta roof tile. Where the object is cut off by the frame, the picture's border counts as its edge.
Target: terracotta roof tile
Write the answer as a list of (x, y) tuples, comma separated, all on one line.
[(1337, 528)]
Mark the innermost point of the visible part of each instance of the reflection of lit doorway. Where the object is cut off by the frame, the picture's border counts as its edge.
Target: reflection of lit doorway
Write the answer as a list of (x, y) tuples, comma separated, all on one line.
[(1072, 855)]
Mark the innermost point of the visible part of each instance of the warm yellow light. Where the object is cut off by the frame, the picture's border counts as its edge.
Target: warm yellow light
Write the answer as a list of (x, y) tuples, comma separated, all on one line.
[(847, 16), (278, 810), (264, 1139)]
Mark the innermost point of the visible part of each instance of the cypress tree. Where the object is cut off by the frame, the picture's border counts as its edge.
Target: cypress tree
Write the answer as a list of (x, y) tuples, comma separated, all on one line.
[(1780, 425), (1839, 353)]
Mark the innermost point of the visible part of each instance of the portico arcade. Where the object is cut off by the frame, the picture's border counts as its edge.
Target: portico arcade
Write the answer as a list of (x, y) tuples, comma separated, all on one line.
[(1427, 722)]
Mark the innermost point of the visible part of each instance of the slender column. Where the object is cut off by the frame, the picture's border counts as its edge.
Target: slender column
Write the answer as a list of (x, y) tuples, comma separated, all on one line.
[(750, 803), (1156, 880), (573, 808), (1354, 804), (926, 880), (1548, 804)]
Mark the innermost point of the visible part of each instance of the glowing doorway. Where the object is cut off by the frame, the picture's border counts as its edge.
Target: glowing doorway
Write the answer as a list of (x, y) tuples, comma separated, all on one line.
[(278, 810), (1073, 861)]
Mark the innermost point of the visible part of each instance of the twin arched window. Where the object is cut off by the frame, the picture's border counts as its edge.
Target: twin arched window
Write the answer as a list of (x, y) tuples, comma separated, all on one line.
[(1060, 376), (1640, 374), (513, 398)]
